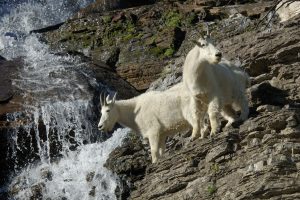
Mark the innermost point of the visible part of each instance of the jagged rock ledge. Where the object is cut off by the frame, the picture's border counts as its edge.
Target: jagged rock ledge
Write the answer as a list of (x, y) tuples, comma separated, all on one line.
[(260, 159)]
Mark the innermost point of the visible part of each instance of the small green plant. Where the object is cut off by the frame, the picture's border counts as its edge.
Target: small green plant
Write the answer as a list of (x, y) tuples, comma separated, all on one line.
[(128, 37), (211, 189), (215, 168), (173, 19), (139, 36), (157, 51), (130, 27), (169, 52), (106, 19)]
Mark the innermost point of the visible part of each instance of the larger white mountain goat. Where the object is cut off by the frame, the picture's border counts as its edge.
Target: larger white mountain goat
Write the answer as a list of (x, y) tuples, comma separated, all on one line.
[(216, 82), (155, 115)]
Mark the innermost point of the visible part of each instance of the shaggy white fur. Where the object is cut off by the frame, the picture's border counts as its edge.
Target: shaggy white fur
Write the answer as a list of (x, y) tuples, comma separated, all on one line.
[(155, 115), (287, 10), (215, 82)]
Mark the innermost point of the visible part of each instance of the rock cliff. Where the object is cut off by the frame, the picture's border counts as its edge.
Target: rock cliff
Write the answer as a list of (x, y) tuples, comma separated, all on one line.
[(257, 159)]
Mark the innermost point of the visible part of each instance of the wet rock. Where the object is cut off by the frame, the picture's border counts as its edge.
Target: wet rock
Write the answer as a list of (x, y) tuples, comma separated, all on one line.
[(93, 191), (8, 70), (37, 191), (134, 156), (47, 29), (46, 174), (90, 176), (104, 5)]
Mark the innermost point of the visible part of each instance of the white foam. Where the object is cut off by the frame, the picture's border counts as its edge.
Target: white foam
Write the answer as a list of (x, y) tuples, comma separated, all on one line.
[(69, 175)]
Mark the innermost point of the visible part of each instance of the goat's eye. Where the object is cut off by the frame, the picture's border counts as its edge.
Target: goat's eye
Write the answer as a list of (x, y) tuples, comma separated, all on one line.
[(203, 44), (107, 110)]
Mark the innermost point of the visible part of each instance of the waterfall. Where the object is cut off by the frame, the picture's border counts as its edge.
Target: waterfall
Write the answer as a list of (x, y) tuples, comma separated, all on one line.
[(79, 175), (61, 159)]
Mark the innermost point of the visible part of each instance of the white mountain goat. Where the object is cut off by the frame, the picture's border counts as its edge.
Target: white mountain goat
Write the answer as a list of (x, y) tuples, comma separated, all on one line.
[(215, 82), (155, 115)]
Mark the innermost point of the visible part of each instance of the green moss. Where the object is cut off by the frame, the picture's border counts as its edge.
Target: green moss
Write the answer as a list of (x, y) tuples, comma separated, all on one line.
[(139, 36), (130, 27), (173, 19), (211, 189), (215, 168), (157, 51), (106, 19), (127, 37), (169, 52), (151, 41), (123, 30), (86, 42)]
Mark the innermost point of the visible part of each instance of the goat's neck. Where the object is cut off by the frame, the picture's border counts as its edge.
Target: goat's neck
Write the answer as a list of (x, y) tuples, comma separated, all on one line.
[(126, 113), (196, 61), (196, 73)]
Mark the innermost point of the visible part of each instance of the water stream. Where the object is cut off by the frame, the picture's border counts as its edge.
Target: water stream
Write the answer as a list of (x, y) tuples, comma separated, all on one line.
[(58, 104)]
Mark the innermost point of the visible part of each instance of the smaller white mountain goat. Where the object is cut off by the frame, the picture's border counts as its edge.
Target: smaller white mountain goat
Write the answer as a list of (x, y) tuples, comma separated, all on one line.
[(215, 82), (155, 115)]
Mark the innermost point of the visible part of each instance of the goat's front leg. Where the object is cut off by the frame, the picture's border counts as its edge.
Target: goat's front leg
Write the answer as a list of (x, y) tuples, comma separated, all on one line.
[(213, 110), (204, 128), (154, 146), (195, 117)]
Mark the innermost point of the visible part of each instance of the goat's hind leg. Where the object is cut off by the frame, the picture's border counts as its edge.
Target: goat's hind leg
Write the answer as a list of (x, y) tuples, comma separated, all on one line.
[(229, 114), (204, 127), (244, 108)]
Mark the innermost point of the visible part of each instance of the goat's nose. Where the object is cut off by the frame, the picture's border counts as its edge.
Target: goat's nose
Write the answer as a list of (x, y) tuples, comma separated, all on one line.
[(219, 54), (100, 126)]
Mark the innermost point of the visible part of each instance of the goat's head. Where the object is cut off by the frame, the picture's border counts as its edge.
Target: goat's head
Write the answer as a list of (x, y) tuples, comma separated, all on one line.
[(109, 114), (208, 49)]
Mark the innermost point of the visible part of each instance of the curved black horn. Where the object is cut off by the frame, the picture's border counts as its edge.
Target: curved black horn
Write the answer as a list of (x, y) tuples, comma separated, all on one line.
[(101, 99), (106, 94), (207, 30)]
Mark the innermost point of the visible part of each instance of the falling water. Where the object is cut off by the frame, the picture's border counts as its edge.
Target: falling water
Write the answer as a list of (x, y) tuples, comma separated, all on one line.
[(58, 107), (79, 175)]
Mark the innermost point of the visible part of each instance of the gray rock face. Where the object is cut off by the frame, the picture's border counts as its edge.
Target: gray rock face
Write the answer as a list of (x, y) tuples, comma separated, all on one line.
[(259, 159)]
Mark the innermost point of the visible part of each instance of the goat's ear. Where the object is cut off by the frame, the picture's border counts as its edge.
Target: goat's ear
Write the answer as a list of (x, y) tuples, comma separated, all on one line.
[(114, 98), (197, 43)]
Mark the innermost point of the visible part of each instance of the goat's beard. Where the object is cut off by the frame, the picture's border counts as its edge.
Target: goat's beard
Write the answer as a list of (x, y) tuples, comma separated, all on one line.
[(217, 60)]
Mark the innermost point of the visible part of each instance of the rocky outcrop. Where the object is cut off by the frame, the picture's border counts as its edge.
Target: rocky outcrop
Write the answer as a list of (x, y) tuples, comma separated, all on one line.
[(258, 159), (147, 37), (9, 100), (106, 5)]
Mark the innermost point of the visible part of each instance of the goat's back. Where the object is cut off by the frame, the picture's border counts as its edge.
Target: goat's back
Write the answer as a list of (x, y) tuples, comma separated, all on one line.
[(163, 110)]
